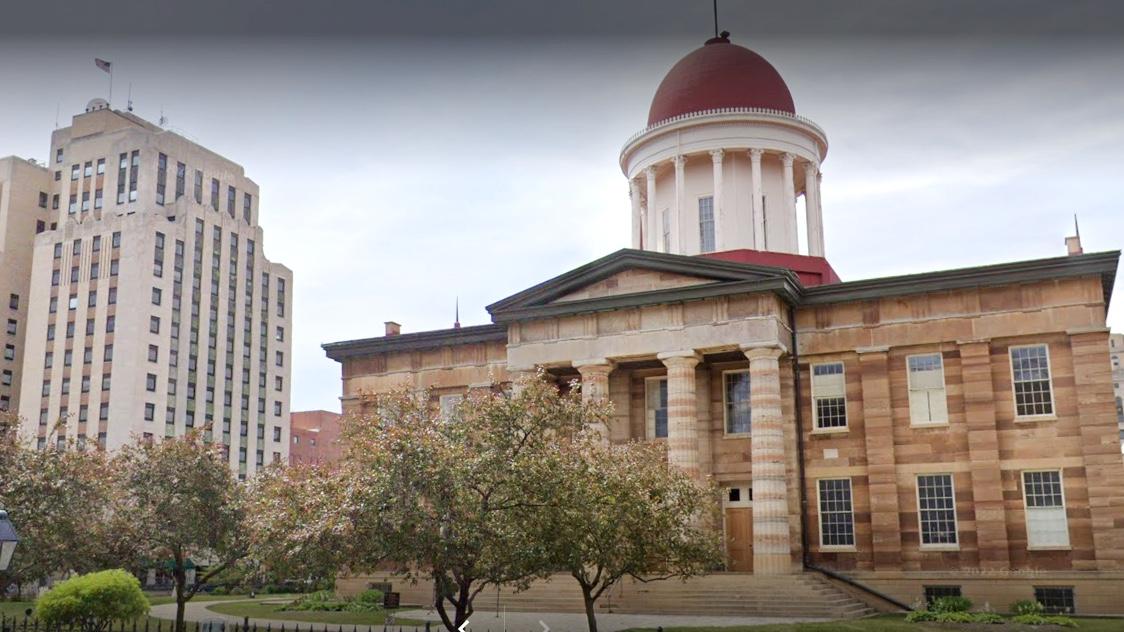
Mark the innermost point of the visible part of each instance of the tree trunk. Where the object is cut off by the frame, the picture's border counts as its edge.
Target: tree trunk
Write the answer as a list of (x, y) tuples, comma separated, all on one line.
[(590, 604), (180, 575)]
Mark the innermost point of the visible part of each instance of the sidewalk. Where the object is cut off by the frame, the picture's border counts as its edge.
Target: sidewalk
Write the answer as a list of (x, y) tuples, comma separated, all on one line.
[(490, 621)]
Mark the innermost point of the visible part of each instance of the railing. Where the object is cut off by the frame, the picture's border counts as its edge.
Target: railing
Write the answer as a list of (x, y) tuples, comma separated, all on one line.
[(29, 624), (768, 112)]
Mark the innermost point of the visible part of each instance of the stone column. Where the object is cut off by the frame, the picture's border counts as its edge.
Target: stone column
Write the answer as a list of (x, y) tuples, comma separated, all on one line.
[(653, 225), (719, 204), (595, 385), (772, 550), (788, 191), (983, 455), (885, 517), (637, 213), (680, 163), (812, 209), (758, 201), (516, 374), (682, 427), (1100, 447)]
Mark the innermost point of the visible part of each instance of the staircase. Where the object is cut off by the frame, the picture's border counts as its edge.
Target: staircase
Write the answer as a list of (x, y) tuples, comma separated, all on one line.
[(806, 595)]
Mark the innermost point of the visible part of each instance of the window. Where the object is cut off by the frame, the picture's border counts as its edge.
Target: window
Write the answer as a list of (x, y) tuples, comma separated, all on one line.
[(214, 194), (112, 299), (48, 360), (109, 353), (74, 171), (280, 359), (99, 199), (12, 326), (154, 324), (103, 411), (150, 382), (706, 224), (278, 383), (58, 155), (161, 177), (837, 517), (72, 302), (101, 166), (277, 408), (933, 593), (655, 407), (42, 199), (927, 401), (116, 240), (1030, 373), (829, 396), (67, 358), (6, 377), (92, 298), (181, 177), (110, 323), (736, 397), (153, 353), (1046, 525), (88, 169), (936, 507), (1056, 599), (198, 187), (247, 204), (72, 204), (55, 202), (231, 196), (149, 412), (9, 352), (276, 433), (13, 301), (106, 380), (280, 337), (157, 295)]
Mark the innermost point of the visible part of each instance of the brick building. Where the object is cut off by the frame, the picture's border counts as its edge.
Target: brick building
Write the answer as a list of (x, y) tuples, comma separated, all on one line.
[(315, 437), (944, 432)]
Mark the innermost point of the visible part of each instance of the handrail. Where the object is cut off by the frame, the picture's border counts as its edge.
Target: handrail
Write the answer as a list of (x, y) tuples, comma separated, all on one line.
[(863, 587), (720, 111)]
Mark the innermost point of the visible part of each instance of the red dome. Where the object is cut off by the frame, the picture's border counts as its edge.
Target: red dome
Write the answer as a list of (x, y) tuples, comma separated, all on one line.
[(720, 75)]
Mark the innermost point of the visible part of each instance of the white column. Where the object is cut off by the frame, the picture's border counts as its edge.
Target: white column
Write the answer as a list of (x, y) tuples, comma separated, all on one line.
[(758, 202), (812, 209), (719, 199), (788, 189), (819, 212), (637, 213), (680, 163), (653, 225)]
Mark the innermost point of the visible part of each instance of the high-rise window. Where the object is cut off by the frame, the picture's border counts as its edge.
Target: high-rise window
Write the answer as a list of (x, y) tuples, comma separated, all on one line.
[(706, 224), (736, 395), (215, 193), (181, 177), (936, 506), (1046, 524), (101, 166), (247, 204), (837, 517), (829, 396), (75, 170), (150, 382), (122, 176), (154, 324), (927, 400), (1030, 372), (231, 196), (161, 177), (88, 169), (134, 173), (198, 187)]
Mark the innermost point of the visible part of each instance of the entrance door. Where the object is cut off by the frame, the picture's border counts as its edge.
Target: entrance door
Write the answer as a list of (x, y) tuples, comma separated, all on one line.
[(739, 529)]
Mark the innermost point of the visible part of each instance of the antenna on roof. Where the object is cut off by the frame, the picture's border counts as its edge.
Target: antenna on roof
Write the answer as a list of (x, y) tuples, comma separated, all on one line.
[(129, 104), (163, 119), (58, 105), (1073, 244), (716, 18), (457, 314), (1076, 230)]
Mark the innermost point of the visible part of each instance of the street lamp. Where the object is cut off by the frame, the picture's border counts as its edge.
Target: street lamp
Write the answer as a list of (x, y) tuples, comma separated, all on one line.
[(8, 540)]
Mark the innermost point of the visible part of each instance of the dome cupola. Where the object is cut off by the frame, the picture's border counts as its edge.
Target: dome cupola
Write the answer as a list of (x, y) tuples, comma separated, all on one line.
[(720, 75)]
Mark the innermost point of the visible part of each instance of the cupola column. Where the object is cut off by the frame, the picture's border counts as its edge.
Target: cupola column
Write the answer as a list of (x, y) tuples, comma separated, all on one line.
[(637, 213), (719, 200), (812, 209), (653, 240), (758, 202), (789, 203), (680, 163)]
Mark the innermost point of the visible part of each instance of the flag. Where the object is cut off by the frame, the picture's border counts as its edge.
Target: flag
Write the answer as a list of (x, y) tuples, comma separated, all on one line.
[(103, 64)]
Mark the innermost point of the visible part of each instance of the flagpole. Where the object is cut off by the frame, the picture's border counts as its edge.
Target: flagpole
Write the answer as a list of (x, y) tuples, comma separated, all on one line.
[(111, 86)]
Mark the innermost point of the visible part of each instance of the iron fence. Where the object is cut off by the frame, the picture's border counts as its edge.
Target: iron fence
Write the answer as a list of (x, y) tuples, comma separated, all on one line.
[(27, 623)]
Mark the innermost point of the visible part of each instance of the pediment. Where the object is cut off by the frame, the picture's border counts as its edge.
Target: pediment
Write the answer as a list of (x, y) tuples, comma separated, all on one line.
[(633, 275)]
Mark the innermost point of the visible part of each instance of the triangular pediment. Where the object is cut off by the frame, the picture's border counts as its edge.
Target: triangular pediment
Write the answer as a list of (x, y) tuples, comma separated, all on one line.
[(634, 275)]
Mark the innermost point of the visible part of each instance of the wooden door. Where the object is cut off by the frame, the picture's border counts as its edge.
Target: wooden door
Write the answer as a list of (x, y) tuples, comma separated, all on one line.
[(739, 539)]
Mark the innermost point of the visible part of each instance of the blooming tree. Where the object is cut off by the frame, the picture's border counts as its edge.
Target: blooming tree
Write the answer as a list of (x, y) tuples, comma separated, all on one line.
[(180, 502)]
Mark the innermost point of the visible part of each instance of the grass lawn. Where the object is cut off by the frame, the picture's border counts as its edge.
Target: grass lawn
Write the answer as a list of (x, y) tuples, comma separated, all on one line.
[(896, 623), (259, 610)]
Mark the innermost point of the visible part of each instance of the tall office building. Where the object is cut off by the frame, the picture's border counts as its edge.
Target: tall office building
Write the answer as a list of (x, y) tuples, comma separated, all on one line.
[(23, 213), (152, 307)]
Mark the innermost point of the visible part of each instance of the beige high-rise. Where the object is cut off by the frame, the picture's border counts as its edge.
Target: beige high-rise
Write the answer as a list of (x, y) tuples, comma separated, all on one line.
[(152, 308), (23, 212)]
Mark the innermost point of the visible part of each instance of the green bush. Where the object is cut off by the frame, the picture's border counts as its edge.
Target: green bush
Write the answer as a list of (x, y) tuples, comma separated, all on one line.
[(951, 604), (370, 597), (221, 590), (1037, 619), (93, 602), (1027, 606), (327, 601), (919, 616), (989, 617)]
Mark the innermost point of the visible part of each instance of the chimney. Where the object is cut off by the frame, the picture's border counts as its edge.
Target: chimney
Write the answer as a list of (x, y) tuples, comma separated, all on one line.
[(393, 328), (1073, 244)]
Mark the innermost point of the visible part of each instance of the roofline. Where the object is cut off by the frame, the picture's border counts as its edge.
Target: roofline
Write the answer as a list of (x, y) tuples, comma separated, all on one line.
[(338, 351), (1102, 264), (623, 258)]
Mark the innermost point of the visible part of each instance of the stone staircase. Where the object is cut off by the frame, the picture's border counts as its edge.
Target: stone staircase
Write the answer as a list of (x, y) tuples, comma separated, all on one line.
[(807, 595)]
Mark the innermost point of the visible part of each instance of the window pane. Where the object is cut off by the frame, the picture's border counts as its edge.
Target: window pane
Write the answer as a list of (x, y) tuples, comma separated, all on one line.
[(737, 403), (937, 509), (1031, 372), (836, 517)]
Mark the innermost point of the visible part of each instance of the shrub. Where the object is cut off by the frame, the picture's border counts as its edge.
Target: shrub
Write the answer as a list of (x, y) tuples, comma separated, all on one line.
[(93, 602), (951, 604), (1037, 619), (219, 590), (989, 617), (327, 601), (370, 597), (919, 616), (1027, 606)]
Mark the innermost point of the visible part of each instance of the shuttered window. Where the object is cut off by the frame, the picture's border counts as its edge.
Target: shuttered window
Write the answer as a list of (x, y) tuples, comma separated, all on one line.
[(928, 402), (829, 396), (1046, 525)]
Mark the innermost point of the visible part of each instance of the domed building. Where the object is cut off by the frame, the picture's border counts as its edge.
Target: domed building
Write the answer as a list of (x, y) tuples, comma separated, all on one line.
[(944, 433)]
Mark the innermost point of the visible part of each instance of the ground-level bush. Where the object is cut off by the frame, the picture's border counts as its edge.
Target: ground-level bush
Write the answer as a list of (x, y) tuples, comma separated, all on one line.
[(1037, 619), (93, 602), (1027, 606), (327, 601), (951, 604)]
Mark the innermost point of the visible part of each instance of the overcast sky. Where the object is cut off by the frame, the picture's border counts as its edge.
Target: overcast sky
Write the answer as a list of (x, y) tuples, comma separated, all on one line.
[(410, 153)]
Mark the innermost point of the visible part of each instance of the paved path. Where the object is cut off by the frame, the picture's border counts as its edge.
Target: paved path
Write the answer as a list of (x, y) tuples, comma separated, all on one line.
[(495, 622)]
